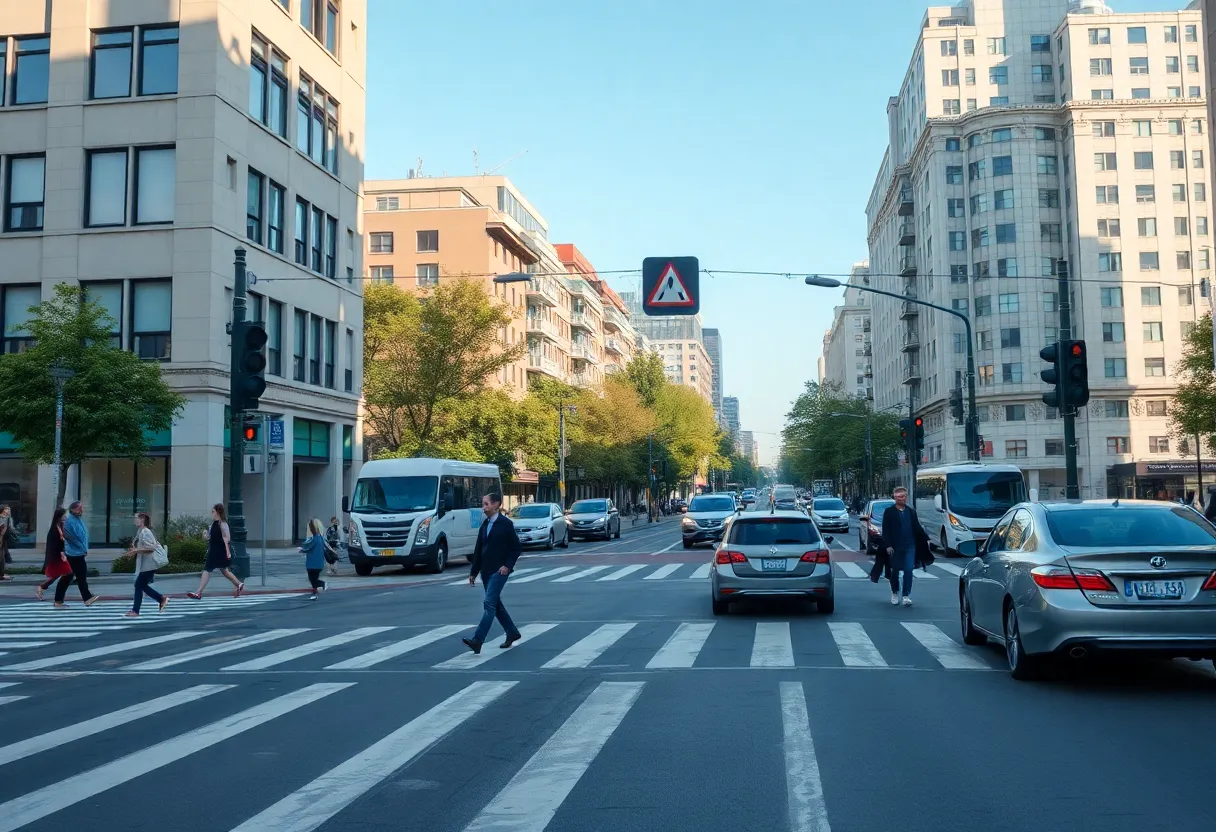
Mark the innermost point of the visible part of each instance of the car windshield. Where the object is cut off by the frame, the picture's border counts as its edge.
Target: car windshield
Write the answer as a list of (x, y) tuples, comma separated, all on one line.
[(589, 507), (712, 504), (530, 511), (984, 493), (829, 505), (1129, 527), (384, 495), (784, 494), (879, 506), (773, 532)]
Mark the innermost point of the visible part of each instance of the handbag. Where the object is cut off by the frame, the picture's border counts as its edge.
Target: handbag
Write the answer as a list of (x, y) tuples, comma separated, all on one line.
[(160, 555)]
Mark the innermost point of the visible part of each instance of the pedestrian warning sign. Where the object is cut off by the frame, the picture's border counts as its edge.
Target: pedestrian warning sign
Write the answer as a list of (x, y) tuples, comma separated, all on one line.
[(671, 286)]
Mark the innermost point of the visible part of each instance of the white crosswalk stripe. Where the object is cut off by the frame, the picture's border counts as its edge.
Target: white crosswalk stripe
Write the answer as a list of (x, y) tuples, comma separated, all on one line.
[(587, 650), (702, 571), (291, 654), (856, 648), (549, 573), (946, 650), (772, 646), (949, 567), (850, 569), (215, 649), (591, 570), (682, 649), (400, 648), (514, 576), (108, 650), (663, 571), (621, 573), (469, 659)]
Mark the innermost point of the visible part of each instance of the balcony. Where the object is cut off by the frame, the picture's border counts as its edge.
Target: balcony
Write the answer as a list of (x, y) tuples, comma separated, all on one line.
[(869, 371), (584, 352), (582, 320), (911, 341), (868, 350), (616, 319), (580, 288), (865, 327), (583, 380), (907, 233), (908, 311), (544, 364), (542, 290), (906, 205), (543, 326), (907, 265), (912, 371), (613, 345)]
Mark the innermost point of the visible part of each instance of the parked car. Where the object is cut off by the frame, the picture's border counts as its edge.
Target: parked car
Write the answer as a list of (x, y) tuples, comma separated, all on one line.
[(778, 554), (869, 526), (1092, 577), (706, 517), (541, 524), (593, 518)]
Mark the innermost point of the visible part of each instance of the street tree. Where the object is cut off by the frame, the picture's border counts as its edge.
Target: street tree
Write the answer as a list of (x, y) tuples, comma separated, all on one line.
[(1194, 409), (608, 434), (110, 404), (423, 352), (687, 431), (820, 443), (645, 372)]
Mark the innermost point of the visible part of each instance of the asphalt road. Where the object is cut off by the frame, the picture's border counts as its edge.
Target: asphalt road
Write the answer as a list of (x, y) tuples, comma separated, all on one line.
[(627, 706)]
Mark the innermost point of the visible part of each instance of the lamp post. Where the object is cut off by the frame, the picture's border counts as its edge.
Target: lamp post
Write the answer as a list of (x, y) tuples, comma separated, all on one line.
[(60, 374), (973, 421)]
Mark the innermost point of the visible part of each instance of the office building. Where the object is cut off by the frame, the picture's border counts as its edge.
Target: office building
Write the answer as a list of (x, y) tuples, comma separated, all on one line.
[(730, 419), (747, 446), (140, 145), (713, 348), (845, 363), (1024, 134)]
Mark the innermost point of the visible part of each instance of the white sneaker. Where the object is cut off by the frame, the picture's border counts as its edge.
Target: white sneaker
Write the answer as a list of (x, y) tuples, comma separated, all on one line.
[(894, 599), (907, 601)]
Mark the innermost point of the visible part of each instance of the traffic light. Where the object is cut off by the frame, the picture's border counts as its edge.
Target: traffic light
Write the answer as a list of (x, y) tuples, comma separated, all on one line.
[(1075, 359), (1055, 376), (251, 432), (249, 374), (956, 405), (920, 436), (905, 427)]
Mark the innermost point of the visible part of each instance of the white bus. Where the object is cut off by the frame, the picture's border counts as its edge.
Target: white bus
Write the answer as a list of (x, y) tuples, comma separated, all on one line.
[(964, 501), (416, 512)]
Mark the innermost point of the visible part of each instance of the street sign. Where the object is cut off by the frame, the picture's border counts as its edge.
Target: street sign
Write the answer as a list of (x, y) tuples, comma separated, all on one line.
[(253, 464), (276, 434), (671, 286)]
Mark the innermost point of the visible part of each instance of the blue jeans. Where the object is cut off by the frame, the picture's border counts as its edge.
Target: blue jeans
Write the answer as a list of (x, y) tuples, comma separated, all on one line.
[(492, 608), (143, 583), (902, 562)]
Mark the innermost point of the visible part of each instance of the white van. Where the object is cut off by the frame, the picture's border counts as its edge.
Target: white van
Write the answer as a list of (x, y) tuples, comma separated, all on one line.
[(416, 512), (963, 501)]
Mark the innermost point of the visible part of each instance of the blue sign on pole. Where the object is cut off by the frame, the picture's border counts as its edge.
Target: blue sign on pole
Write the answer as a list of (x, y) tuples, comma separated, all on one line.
[(671, 286), (276, 434)]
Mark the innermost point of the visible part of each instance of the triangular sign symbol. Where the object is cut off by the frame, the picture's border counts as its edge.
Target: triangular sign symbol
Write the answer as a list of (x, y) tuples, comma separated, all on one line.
[(670, 290)]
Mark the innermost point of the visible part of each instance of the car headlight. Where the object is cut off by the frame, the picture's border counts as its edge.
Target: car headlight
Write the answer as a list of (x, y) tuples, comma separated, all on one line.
[(956, 523), (541, 527), (688, 521), (600, 521), (353, 538), (423, 536)]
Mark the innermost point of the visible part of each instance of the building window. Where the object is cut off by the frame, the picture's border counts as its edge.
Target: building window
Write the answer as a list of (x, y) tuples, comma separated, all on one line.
[(1011, 337), (331, 346), (15, 314), (317, 124), (331, 247), (1048, 198), (1047, 165), (1103, 129), (274, 217), (1201, 192), (949, 77), (1107, 194), (1150, 295), (1007, 267), (1147, 226), (268, 86), (32, 70), (1040, 43), (320, 17), (151, 318), (274, 338), (979, 237), (955, 208), (979, 203), (155, 185), (1146, 194), (382, 274), (427, 274), (301, 231), (1002, 166), (998, 75), (1173, 92), (1149, 261), (1118, 444), (24, 193), (983, 306), (987, 375), (1201, 226), (387, 203), (1049, 232), (381, 242), (958, 241), (1186, 295), (1159, 407), (1154, 367), (1041, 74), (1015, 448), (1011, 373), (1115, 367), (949, 48), (111, 64), (300, 346), (1053, 447), (1099, 67), (1158, 444), (1106, 161), (1102, 95), (1116, 409), (996, 46), (1152, 331), (954, 174), (951, 107), (316, 240), (1099, 36), (1112, 332), (1006, 233), (253, 206), (1109, 228), (1139, 66), (106, 178), (314, 361), (1008, 302), (1111, 297), (428, 241), (108, 295), (158, 61), (1143, 160), (953, 144), (348, 380), (1137, 34)]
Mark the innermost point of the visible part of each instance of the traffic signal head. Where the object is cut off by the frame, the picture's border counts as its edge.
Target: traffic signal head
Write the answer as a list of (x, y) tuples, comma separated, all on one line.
[(251, 433), (1075, 361), (920, 434), (956, 405), (249, 374), (905, 427), (1053, 375)]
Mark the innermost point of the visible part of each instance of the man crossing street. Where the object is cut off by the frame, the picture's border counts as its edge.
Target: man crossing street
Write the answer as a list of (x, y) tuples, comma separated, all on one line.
[(494, 557)]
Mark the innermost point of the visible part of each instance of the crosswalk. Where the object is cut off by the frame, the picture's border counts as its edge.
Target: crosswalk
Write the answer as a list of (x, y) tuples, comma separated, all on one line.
[(27, 626), (842, 569), (546, 646)]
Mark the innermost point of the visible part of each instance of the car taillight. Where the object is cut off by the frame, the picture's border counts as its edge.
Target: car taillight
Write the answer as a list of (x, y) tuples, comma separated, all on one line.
[(727, 556), (816, 556), (875, 529), (1210, 583), (1058, 577)]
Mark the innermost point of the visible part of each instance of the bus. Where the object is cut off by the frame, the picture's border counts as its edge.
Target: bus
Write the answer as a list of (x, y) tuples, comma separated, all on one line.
[(416, 512), (963, 501)]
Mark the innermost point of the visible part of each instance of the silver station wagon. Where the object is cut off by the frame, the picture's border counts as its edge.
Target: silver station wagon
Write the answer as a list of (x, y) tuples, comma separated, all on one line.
[(778, 553)]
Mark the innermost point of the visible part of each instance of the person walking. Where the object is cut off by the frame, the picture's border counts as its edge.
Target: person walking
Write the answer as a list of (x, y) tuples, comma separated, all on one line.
[(333, 538), (219, 553), (317, 552), (143, 547), (8, 537), (76, 546), (907, 544), (55, 564), (494, 557)]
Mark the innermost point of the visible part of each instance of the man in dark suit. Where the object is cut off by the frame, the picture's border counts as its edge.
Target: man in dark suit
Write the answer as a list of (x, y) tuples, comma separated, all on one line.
[(906, 542), (494, 557)]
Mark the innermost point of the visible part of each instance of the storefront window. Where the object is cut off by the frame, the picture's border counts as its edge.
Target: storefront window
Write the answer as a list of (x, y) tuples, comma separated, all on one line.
[(114, 490), (95, 494), (19, 491), (122, 499)]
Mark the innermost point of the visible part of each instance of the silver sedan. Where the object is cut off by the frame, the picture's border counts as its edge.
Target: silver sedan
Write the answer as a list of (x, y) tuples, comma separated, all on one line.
[(778, 553), (1083, 578)]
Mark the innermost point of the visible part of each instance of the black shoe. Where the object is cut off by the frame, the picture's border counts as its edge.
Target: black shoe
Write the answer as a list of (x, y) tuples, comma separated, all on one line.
[(475, 646), (510, 640)]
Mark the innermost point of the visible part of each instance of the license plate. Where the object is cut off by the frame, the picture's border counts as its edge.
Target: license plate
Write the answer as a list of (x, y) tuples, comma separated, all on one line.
[(773, 565), (1155, 590), (387, 553)]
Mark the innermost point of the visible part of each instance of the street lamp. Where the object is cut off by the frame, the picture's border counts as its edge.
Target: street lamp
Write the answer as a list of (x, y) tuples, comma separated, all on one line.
[(973, 421), (513, 277), (60, 374)]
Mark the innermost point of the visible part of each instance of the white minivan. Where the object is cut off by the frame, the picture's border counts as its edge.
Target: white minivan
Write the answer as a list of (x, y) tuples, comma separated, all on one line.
[(963, 501), (416, 512)]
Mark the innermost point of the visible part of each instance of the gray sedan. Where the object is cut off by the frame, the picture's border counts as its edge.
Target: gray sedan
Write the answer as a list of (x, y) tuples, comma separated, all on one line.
[(541, 524), (1084, 578), (772, 554)]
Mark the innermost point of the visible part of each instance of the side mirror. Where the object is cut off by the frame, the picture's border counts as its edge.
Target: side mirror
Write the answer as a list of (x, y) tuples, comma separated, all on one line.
[(937, 501), (445, 505), (968, 548), (345, 504)]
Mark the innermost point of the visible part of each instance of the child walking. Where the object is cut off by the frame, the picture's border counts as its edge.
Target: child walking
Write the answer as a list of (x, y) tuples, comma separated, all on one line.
[(314, 549)]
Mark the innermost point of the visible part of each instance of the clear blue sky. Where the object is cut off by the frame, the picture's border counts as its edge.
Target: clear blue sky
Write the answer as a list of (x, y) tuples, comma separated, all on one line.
[(746, 134)]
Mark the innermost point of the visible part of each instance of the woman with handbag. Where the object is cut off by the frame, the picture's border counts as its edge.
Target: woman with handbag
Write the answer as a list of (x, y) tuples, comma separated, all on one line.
[(219, 553), (55, 565), (316, 550), (8, 537), (149, 556)]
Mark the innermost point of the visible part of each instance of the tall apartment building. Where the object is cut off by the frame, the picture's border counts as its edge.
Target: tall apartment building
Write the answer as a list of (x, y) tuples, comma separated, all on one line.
[(607, 326), (140, 144), (1025, 133), (846, 346), (713, 348), (679, 339), (730, 418), (747, 446)]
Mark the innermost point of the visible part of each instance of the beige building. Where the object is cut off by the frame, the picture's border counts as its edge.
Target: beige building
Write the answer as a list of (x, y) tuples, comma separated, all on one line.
[(680, 341), (846, 346), (141, 143), (616, 335), (1081, 134)]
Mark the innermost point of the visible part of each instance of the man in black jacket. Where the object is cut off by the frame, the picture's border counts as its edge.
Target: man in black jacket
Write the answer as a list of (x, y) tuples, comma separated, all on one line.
[(494, 557), (906, 542)]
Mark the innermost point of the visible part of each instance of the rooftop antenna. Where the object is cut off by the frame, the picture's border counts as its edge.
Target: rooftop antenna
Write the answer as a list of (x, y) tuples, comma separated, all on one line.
[(418, 170), (475, 163), (504, 164)]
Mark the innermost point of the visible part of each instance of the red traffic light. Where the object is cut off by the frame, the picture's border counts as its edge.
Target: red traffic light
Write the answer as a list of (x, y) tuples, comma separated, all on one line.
[(920, 423), (251, 433), (1078, 350)]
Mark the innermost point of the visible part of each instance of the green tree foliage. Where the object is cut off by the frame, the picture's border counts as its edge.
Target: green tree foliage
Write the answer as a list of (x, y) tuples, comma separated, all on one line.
[(836, 443), (741, 470), (1194, 410), (608, 434), (426, 356), (645, 372), (108, 405), (687, 431)]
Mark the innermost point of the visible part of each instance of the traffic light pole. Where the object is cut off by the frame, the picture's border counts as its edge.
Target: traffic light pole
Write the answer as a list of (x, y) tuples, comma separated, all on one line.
[(1068, 411), (561, 453), (236, 453), (650, 478), (911, 449)]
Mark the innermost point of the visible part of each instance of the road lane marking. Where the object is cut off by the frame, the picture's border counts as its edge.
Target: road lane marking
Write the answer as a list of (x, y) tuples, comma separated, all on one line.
[(469, 659), (19, 645), (851, 569), (662, 572), (772, 646), (926, 574), (548, 573), (5, 700), (96, 652), (949, 567), (36, 805), (583, 652), (591, 570), (856, 648), (44, 633), (312, 805), (293, 653), (621, 573), (682, 648), (515, 573), (948, 652), (529, 802), (132, 713), (391, 651), (808, 811), (215, 649), (702, 571), (669, 548)]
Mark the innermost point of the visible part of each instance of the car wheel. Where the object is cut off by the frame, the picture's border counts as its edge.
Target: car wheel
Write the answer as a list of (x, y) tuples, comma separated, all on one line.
[(550, 543), (1021, 666), (720, 606), (363, 569), (946, 547), (565, 544), (861, 544), (687, 544), (618, 530), (971, 635), (440, 561), (827, 606)]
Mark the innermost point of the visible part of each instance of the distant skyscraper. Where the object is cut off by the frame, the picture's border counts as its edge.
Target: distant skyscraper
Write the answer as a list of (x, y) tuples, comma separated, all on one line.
[(713, 347), (730, 418)]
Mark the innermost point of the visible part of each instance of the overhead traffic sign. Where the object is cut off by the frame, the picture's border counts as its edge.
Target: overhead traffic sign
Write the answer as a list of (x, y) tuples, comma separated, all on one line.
[(671, 286)]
